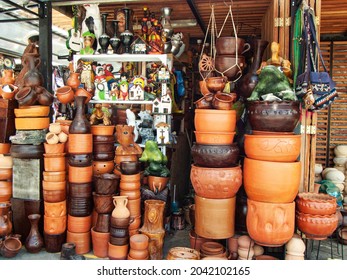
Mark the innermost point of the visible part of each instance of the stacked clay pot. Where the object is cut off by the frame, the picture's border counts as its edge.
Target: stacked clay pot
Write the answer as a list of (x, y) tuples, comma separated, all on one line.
[(118, 245), (6, 164), (105, 187), (271, 181), (316, 215), (215, 174), (138, 247), (80, 173), (54, 192), (213, 249)]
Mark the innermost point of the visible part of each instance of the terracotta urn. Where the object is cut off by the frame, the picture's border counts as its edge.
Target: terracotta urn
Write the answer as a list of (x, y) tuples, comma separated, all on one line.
[(316, 203), (270, 224), (120, 210), (182, 253), (211, 120)]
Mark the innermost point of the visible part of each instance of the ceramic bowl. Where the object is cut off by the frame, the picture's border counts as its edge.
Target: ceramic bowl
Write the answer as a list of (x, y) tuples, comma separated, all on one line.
[(316, 203), (26, 96), (204, 102), (103, 129), (267, 181), (212, 120), (215, 155), (80, 160), (282, 148), (65, 94), (216, 84), (10, 247), (230, 66), (130, 167), (214, 138), (106, 183), (31, 111), (223, 101), (276, 116), (216, 183)]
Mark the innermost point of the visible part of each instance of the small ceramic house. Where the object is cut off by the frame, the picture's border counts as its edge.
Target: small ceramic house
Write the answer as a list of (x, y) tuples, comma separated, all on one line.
[(163, 133), (139, 46), (163, 105), (136, 92)]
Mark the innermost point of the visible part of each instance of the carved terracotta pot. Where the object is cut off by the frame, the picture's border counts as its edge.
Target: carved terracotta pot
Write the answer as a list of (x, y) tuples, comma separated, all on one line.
[(100, 242), (157, 184), (268, 181), (54, 225), (211, 120), (106, 183), (103, 203), (216, 182), (316, 203), (79, 224), (270, 224), (214, 218), (82, 241), (55, 209)]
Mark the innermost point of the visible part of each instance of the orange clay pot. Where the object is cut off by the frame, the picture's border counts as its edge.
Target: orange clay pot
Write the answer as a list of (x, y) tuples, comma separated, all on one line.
[(55, 209), (31, 123), (32, 111), (203, 88), (54, 162), (134, 206), (270, 224), (54, 186), (135, 194), (58, 176), (214, 138), (80, 143), (282, 148), (139, 242), (268, 181), (5, 190), (119, 158), (117, 252), (65, 94), (129, 186), (135, 222), (216, 182), (83, 92), (103, 129), (211, 120), (54, 195), (74, 80), (79, 224), (102, 167), (80, 174), (5, 148), (54, 225), (5, 174), (316, 203), (100, 243), (82, 241), (139, 254), (157, 184), (58, 148)]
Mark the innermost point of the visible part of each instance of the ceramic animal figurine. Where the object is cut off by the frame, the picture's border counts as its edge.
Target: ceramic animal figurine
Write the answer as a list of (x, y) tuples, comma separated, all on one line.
[(125, 137), (100, 114), (87, 75), (92, 16), (131, 121)]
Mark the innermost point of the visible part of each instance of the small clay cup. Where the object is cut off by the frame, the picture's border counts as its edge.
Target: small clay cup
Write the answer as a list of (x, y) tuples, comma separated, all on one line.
[(130, 167), (103, 222)]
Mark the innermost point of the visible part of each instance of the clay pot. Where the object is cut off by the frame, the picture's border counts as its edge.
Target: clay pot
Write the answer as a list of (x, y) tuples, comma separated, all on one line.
[(103, 203), (117, 252), (54, 185), (103, 223), (32, 77), (5, 190), (54, 162), (129, 186), (119, 232), (214, 218), (54, 195), (80, 160), (182, 253), (216, 182), (32, 111), (135, 194), (5, 174), (270, 224), (62, 137), (54, 242), (233, 243), (106, 183), (227, 45), (130, 167), (5, 148), (235, 66), (120, 222), (282, 148), (296, 246), (80, 206), (223, 101), (82, 190), (119, 158), (100, 242), (103, 139), (317, 227), (103, 147), (80, 143), (10, 247), (5, 219), (316, 203), (54, 128), (8, 91), (103, 129), (276, 116), (203, 88), (80, 174), (211, 120), (65, 125), (57, 176), (267, 181), (83, 93), (214, 138), (81, 240), (79, 224), (104, 156), (139, 242), (216, 84), (55, 209), (65, 94), (54, 148), (215, 155), (196, 241), (204, 102), (135, 222), (54, 225), (157, 184), (119, 241), (102, 167), (7, 77), (139, 254), (120, 210), (5, 161), (31, 123), (212, 248), (73, 81), (134, 206), (44, 97), (26, 96)]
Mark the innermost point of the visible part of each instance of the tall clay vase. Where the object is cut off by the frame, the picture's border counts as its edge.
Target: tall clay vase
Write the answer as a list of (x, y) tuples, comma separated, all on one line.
[(248, 82), (120, 211), (74, 80), (115, 40), (153, 227), (5, 219), (34, 241), (80, 124), (104, 39), (127, 35)]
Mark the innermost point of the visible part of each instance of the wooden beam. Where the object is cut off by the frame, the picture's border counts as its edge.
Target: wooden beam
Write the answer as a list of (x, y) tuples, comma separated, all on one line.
[(196, 15)]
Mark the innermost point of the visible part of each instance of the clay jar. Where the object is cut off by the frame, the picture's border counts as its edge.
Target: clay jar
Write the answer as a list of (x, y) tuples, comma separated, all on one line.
[(267, 181), (103, 203), (230, 65), (106, 183), (80, 124), (34, 241), (270, 224), (100, 243), (120, 210), (157, 184), (216, 182), (211, 120)]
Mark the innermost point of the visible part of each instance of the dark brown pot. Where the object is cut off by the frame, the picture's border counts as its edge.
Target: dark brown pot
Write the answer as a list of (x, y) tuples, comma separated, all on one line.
[(80, 160), (34, 241), (215, 155), (26, 96), (103, 223), (10, 247), (130, 167), (33, 76), (121, 222), (79, 206), (103, 147), (44, 97), (274, 116), (27, 151), (106, 183), (82, 190), (119, 241), (103, 156), (103, 203), (119, 232), (103, 139), (54, 242), (224, 62), (226, 45)]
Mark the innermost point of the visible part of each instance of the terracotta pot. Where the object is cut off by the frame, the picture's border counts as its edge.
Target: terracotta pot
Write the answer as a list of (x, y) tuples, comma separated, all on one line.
[(54, 242), (44, 97), (267, 181), (26, 96), (296, 246), (85, 93), (5, 174), (5, 191), (230, 66), (129, 186), (103, 129), (315, 203), (6, 161), (74, 80), (227, 45), (265, 258), (5, 148), (196, 241), (80, 143), (138, 254), (223, 101), (216, 182), (182, 253), (104, 139), (317, 227), (212, 248), (80, 174), (54, 162), (8, 91), (62, 137), (119, 158), (282, 148), (157, 184), (82, 241), (244, 242), (10, 247), (65, 125), (54, 148), (139, 242), (80, 160), (7, 77), (103, 203), (79, 224), (211, 120), (120, 222), (270, 224), (54, 195), (130, 167), (83, 190), (135, 194), (119, 232), (100, 242), (54, 128), (55, 209), (103, 223), (134, 206), (117, 252), (31, 123), (106, 183), (103, 147), (57, 176), (31, 111), (119, 241), (204, 102), (216, 84), (214, 138), (104, 156), (273, 116), (214, 218), (203, 88), (54, 225), (215, 155), (102, 167), (135, 222), (80, 206), (65, 94)]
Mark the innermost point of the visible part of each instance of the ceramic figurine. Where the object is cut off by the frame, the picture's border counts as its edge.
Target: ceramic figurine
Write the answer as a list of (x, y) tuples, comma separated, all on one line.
[(100, 115), (163, 133), (88, 41), (125, 137), (163, 105), (92, 21), (131, 118), (100, 82), (123, 88), (87, 75)]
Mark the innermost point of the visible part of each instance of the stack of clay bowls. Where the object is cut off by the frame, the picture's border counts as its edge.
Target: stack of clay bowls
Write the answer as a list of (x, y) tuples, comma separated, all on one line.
[(271, 180), (138, 247), (54, 189), (213, 249), (6, 164)]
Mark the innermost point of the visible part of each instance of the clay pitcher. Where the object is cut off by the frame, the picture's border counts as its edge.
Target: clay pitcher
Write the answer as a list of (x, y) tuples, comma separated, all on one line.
[(5, 219), (7, 77), (248, 82), (120, 211), (73, 81), (32, 77), (80, 124), (34, 241)]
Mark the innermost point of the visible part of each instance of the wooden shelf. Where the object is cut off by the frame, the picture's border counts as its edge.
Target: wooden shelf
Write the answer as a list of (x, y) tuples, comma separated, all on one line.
[(121, 101)]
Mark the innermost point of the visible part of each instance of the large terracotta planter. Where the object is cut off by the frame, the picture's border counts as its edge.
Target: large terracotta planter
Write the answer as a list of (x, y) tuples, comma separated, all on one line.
[(100, 242), (268, 181), (82, 241), (79, 224), (316, 203), (80, 174), (270, 224), (54, 225), (211, 120), (216, 182), (214, 218), (282, 148), (103, 129), (214, 138)]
